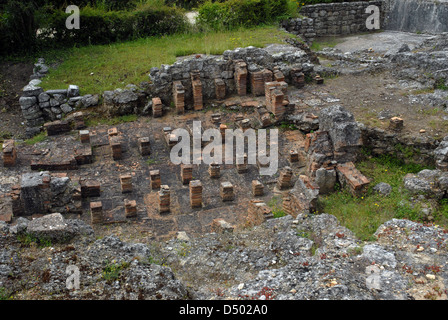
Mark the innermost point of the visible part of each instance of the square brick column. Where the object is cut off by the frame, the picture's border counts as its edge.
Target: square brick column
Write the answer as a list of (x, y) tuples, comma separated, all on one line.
[(195, 194), (96, 212), (9, 153), (155, 179), (197, 90), (144, 146), (226, 191), (164, 198), (126, 183), (241, 77), (179, 96), (157, 107), (186, 173), (257, 188)]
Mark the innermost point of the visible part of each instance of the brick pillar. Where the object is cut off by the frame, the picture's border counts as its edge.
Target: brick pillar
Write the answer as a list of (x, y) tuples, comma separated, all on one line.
[(164, 198), (226, 191), (276, 98), (84, 136), (186, 173), (155, 179), (241, 77), (90, 188), (297, 77), (284, 180), (179, 96), (278, 75), (257, 188), (157, 107), (396, 124), (130, 208), (222, 129), (197, 90), (257, 81), (293, 156), (115, 143), (216, 118), (126, 183), (144, 146), (220, 89), (96, 212), (196, 194), (9, 153), (78, 120), (242, 167), (214, 170)]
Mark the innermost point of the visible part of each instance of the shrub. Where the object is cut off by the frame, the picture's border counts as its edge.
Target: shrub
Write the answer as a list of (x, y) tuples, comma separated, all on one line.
[(247, 13)]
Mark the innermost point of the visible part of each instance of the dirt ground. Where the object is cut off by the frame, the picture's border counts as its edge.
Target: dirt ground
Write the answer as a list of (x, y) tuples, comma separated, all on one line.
[(13, 77)]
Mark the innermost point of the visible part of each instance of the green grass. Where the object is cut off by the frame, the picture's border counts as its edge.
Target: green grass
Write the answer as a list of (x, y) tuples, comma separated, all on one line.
[(96, 120), (106, 67), (319, 44), (111, 272), (38, 138), (276, 205), (4, 295), (364, 215)]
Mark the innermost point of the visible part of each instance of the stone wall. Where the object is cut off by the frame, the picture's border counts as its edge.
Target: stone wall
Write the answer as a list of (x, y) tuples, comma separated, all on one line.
[(331, 19)]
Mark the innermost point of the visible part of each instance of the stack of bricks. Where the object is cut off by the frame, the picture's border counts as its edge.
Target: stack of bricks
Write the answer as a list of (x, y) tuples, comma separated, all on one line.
[(220, 89), (216, 118), (57, 127), (9, 153), (90, 188), (77, 119), (96, 212), (293, 156), (155, 179), (157, 107), (245, 124), (297, 78), (276, 98), (115, 143), (126, 183), (318, 79), (179, 96), (351, 177), (241, 77), (396, 124), (130, 208), (226, 191), (241, 164), (84, 136), (186, 173), (257, 81), (170, 138), (197, 90), (83, 154), (214, 170), (257, 212), (144, 146), (264, 117), (278, 75), (284, 180), (195, 194), (257, 188), (164, 198)]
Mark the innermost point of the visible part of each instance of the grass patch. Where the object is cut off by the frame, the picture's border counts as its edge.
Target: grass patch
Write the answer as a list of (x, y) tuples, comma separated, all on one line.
[(364, 215), (27, 239), (36, 139), (4, 294), (276, 205), (319, 44), (106, 67), (111, 272), (98, 120)]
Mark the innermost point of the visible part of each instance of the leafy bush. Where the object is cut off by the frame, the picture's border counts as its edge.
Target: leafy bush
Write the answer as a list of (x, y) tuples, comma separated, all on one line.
[(247, 13)]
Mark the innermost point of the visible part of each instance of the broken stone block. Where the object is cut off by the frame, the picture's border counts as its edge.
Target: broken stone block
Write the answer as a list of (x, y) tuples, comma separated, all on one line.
[(126, 183), (130, 208), (220, 89), (157, 107), (195, 194), (221, 226), (396, 124), (318, 79), (325, 180), (197, 90), (155, 179), (164, 198), (284, 180), (186, 173), (241, 77), (179, 96), (302, 198), (258, 212), (226, 191), (352, 178), (257, 188), (84, 136), (112, 132), (96, 212), (216, 118), (144, 146), (57, 127), (9, 153)]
